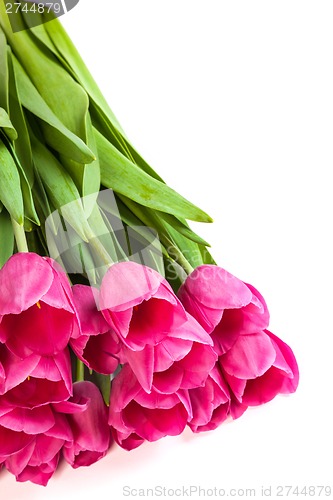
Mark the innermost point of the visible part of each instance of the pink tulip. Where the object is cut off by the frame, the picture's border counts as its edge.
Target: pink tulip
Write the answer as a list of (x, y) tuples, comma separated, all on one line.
[(33, 381), (93, 340), (223, 305), (139, 304), (258, 367), (91, 432), (136, 416), (182, 360), (37, 314), (255, 364), (38, 460), (210, 403), (31, 439)]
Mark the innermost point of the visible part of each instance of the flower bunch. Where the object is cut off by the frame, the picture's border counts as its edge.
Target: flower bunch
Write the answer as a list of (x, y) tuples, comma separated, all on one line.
[(116, 324)]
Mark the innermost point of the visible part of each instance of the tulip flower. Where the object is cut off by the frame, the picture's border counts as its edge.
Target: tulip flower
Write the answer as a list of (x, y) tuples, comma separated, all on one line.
[(93, 340), (258, 367), (37, 314), (182, 360), (91, 432), (136, 416), (38, 460), (33, 381), (139, 304)]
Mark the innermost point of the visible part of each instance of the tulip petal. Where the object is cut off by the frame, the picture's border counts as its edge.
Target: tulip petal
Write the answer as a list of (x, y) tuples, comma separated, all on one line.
[(16, 369), (142, 364), (24, 279), (250, 357), (215, 288), (127, 284), (41, 329), (91, 319), (192, 330), (29, 421), (17, 462), (101, 353), (11, 442), (290, 383)]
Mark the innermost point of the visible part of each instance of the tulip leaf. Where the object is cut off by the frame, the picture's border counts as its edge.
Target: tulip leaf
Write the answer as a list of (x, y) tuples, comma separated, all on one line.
[(7, 125), (60, 188), (87, 177), (28, 202), (10, 185), (124, 177), (64, 96), (22, 144), (56, 134), (182, 228), (3, 71), (6, 237)]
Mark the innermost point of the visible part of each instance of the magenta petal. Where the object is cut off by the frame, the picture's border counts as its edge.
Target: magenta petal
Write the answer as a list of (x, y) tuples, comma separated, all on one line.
[(43, 330), (35, 392), (127, 441), (264, 388), (192, 330), (70, 407), (256, 315), (142, 364), (153, 424), (46, 449), (210, 403), (39, 475), (101, 352), (16, 370), (290, 384), (237, 386), (30, 421), (126, 284), (125, 387), (61, 429), (169, 381), (24, 279), (169, 351), (17, 462), (215, 288), (251, 356), (151, 322), (11, 442), (91, 433), (91, 319)]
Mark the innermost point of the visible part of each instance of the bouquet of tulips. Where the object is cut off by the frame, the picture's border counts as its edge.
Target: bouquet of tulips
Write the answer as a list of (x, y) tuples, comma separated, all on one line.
[(116, 324)]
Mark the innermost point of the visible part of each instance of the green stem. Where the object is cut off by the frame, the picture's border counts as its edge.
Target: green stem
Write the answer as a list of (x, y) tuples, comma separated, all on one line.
[(179, 258), (20, 238), (79, 370)]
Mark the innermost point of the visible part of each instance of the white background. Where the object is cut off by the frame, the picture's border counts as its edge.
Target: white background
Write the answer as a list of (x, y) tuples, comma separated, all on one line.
[(232, 103)]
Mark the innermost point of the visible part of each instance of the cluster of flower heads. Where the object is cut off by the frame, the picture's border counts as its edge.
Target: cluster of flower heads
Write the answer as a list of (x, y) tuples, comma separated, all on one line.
[(192, 359)]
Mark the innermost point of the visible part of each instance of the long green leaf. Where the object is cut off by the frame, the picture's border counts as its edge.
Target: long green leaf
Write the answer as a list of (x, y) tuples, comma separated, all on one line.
[(64, 96), (6, 238), (87, 177), (22, 144), (60, 188), (56, 134), (7, 125), (124, 177), (3, 71), (28, 202), (10, 186)]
